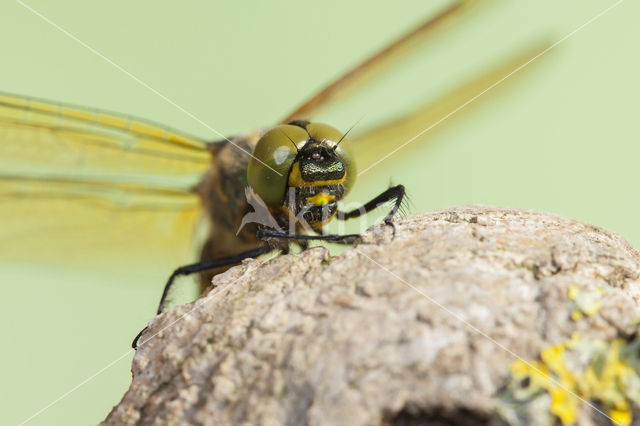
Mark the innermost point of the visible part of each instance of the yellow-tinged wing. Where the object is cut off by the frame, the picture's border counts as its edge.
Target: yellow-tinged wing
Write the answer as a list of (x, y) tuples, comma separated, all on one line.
[(366, 73), (391, 140), (85, 187), (377, 144)]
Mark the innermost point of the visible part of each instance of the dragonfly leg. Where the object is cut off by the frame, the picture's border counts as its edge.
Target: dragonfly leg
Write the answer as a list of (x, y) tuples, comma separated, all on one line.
[(271, 234), (396, 193), (198, 267)]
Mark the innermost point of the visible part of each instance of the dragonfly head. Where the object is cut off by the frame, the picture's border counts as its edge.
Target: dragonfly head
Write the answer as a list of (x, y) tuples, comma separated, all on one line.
[(310, 168)]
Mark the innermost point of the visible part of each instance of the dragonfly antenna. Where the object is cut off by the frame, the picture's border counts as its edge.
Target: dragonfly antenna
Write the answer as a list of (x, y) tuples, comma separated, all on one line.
[(346, 133), (288, 137)]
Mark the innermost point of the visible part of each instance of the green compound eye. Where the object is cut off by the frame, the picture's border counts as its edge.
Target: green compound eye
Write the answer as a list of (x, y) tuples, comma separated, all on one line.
[(276, 149), (323, 132)]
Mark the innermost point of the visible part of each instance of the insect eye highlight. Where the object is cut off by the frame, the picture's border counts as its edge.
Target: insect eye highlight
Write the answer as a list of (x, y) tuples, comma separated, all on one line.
[(271, 160)]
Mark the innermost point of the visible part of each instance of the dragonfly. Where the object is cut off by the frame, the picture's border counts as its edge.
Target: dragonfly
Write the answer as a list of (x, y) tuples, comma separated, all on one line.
[(85, 167)]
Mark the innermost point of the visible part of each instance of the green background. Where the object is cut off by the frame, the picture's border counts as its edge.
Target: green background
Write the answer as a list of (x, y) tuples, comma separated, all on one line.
[(562, 137)]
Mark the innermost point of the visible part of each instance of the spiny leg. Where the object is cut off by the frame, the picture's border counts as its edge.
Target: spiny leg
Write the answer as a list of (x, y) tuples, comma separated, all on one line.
[(394, 193), (199, 267)]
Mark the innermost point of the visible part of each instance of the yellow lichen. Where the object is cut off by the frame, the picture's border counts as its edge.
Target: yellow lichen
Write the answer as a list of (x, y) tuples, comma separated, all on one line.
[(577, 371), (585, 302), (622, 417), (563, 405)]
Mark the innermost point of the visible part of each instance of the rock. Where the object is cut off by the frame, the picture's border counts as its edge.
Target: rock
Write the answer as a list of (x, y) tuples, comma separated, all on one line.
[(472, 315)]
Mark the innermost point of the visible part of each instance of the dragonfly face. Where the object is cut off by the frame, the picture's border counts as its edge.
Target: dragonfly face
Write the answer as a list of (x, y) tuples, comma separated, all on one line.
[(313, 170)]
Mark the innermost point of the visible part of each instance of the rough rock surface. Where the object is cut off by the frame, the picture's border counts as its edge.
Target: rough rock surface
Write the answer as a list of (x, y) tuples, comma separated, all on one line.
[(419, 329)]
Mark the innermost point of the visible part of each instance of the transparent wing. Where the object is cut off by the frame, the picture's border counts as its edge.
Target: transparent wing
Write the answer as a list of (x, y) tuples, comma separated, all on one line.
[(85, 187), (382, 142), (366, 72)]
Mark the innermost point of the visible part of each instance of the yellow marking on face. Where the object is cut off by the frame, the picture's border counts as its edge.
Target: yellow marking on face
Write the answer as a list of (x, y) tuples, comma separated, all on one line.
[(319, 224), (321, 199), (295, 179)]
